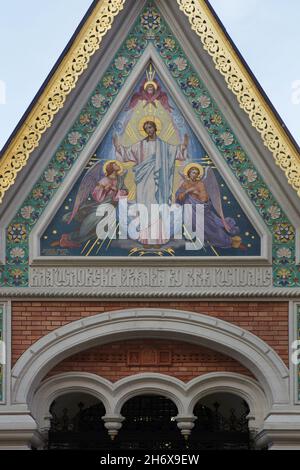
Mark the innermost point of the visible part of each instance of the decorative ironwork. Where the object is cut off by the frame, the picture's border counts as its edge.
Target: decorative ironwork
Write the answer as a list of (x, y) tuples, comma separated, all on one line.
[(242, 85), (84, 431), (150, 425), (214, 431)]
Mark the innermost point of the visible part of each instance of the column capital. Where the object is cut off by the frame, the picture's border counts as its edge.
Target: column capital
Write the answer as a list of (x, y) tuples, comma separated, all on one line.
[(186, 424), (113, 424)]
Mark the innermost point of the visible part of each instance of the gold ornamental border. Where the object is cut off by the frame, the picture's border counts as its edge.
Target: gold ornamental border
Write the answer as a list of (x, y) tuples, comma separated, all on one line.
[(57, 90), (88, 42), (240, 82)]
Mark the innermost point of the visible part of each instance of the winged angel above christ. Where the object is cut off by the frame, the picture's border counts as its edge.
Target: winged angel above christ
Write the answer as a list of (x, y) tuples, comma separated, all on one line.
[(149, 150), (150, 93)]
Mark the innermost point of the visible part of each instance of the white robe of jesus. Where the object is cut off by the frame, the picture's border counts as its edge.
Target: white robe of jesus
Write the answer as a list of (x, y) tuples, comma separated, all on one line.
[(154, 176)]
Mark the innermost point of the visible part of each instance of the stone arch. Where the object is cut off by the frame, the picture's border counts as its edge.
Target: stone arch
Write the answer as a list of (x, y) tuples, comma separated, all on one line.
[(115, 395), (150, 384), (64, 384), (235, 384), (229, 339)]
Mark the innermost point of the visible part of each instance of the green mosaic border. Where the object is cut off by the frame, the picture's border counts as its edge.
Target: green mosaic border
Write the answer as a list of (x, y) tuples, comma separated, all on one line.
[(151, 27), (1, 366), (298, 338)]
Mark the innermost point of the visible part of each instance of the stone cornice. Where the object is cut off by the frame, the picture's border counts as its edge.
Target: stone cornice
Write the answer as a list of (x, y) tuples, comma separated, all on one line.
[(97, 293)]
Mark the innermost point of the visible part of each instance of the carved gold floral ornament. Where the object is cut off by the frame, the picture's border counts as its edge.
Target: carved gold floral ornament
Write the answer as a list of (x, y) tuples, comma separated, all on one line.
[(242, 85), (54, 96), (87, 43)]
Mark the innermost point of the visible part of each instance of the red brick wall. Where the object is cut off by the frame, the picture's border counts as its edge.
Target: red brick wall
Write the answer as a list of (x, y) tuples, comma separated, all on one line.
[(118, 360), (33, 320)]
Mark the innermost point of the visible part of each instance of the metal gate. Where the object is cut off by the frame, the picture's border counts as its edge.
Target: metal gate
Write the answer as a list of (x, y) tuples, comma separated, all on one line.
[(214, 431), (150, 425), (85, 431)]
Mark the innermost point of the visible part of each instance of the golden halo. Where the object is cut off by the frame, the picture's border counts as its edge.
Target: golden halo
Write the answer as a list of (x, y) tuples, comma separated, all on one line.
[(150, 82), (194, 165), (146, 119), (113, 161)]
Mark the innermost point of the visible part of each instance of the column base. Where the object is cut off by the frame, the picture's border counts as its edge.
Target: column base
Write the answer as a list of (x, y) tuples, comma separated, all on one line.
[(281, 431), (17, 430)]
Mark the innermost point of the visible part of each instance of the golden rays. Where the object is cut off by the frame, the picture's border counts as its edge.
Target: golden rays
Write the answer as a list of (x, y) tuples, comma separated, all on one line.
[(93, 246), (151, 252), (130, 132), (169, 133)]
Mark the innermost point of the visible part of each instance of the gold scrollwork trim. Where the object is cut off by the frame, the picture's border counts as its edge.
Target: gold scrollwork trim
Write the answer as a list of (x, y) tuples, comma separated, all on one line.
[(242, 85), (88, 42), (54, 96)]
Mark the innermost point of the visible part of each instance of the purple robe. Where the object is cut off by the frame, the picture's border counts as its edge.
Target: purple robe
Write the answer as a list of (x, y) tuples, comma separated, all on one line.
[(214, 231)]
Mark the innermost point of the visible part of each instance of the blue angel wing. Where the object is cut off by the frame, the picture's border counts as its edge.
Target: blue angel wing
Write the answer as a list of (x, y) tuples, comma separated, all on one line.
[(86, 187)]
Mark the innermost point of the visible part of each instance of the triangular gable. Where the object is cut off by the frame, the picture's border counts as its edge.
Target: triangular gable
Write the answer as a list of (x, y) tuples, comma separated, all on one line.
[(151, 29), (87, 41), (72, 231), (241, 82)]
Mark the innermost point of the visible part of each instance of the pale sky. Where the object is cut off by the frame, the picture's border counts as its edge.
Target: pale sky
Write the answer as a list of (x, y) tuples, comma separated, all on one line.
[(33, 33)]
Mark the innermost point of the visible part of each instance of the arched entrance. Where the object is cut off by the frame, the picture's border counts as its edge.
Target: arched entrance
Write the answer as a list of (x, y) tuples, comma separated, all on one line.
[(222, 423), (266, 389), (264, 363), (76, 423), (149, 425)]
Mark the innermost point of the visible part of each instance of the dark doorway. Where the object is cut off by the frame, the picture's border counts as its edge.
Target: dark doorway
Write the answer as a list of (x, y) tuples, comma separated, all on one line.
[(150, 425), (221, 424), (77, 424)]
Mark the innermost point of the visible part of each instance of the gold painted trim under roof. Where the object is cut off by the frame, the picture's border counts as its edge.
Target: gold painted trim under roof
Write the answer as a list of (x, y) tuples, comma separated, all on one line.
[(240, 82), (88, 42), (57, 90)]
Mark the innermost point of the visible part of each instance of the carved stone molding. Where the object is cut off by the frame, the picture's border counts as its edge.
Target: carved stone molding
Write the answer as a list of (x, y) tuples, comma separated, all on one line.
[(151, 279), (115, 395), (213, 333), (150, 282)]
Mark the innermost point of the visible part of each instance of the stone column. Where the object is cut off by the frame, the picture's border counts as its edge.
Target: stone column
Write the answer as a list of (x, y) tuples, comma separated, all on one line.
[(281, 431), (18, 430)]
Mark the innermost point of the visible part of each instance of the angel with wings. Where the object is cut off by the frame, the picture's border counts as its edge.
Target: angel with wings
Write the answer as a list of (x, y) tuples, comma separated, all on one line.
[(150, 92), (200, 186), (96, 188)]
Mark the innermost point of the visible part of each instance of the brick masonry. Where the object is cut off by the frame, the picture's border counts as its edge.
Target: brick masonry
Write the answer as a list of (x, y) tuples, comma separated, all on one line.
[(122, 359), (33, 320)]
